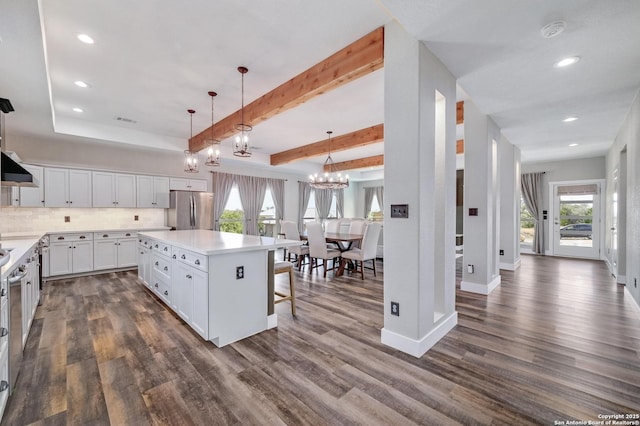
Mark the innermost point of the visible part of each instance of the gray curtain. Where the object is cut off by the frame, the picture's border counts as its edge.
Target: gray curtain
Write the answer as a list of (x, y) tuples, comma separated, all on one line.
[(222, 184), (380, 196), (323, 202), (340, 202), (252, 190), (531, 185), (304, 193), (368, 200), (277, 192)]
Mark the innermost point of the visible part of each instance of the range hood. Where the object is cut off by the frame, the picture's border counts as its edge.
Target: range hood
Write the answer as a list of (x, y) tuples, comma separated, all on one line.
[(11, 172)]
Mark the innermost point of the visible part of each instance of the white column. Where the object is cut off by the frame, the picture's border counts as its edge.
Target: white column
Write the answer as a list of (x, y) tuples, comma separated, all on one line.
[(480, 272), (509, 247), (419, 251)]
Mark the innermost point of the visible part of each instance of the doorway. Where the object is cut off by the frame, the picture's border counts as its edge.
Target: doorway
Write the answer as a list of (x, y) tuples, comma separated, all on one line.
[(576, 219)]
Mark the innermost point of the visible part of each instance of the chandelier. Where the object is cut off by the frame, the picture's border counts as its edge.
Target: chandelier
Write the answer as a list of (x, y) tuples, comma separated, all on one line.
[(191, 158), (213, 153), (329, 178), (241, 144)]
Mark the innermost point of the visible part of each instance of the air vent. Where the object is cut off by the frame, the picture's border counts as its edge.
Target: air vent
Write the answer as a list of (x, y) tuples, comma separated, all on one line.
[(126, 120), (553, 29)]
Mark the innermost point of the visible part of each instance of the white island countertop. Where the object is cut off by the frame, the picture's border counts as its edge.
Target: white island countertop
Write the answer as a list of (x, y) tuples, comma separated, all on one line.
[(214, 242)]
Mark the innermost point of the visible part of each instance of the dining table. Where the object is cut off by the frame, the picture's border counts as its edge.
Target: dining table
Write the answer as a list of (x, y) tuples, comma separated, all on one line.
[(339, 238)]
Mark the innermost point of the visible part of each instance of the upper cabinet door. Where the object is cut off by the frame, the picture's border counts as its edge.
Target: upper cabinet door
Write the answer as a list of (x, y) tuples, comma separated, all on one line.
[(103, 190), (179, 184), (80, 188), (125, 190), (145, 192), (161, 190), (56, 192), (198, 185), (33, 197)]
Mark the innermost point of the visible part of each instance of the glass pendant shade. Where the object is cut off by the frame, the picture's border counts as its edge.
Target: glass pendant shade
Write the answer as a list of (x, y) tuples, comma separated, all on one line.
[(213, 152), (241, 147), (190, 158)]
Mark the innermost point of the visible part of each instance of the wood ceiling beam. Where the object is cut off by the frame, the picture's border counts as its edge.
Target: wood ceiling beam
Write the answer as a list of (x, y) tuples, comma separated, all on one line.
[(376, 160), (358, 59), (460, 146), (351, 140), (459, 112)]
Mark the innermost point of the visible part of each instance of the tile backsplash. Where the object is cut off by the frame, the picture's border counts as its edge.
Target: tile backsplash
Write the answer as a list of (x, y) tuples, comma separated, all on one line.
[(23, 219)]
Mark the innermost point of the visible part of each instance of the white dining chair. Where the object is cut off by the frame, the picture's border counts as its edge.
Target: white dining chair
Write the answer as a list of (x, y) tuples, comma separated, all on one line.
[(368, 249), (318, 248), (290, 230), (332, 226), (357, 227)]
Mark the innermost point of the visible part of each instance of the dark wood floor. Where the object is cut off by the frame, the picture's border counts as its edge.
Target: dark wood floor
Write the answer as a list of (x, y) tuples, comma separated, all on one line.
[(558, 340)]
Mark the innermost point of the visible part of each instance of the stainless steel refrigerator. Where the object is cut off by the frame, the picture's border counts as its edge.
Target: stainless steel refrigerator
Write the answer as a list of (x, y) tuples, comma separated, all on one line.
[(190, 210)]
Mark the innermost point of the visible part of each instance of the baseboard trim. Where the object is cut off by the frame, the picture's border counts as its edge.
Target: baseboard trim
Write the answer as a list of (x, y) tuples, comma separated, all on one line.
[(621, 279), (417, 348), (481, 288), (636, 302), (272, 321), (510, 266)]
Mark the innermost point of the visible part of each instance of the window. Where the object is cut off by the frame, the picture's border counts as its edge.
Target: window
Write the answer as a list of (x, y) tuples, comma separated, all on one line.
[(232, 219), (267, 219), (526, 225), (310, 213), (376, 210)]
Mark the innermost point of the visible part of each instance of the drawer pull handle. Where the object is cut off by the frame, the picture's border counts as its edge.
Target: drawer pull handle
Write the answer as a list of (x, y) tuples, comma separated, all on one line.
[(3, 293), (197, 261), (166, 292), (128, 234), (82, 237), (3, 332), (28, 282), (4, 385), (156, 263), (174, 256), (166, 249), (183, 257), (166, 268), (156, 246), (156, 285), (60, 238), (105, 235), (189, 276)]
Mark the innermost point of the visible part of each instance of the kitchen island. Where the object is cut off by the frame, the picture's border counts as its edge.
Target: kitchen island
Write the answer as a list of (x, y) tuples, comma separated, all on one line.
[(219, 283)]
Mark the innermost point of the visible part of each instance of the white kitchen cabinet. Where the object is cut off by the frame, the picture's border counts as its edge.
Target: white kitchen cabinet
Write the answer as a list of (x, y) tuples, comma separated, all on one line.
[(67, 188), (70, 253), (144, 261), (114, 189), (190, 283), (200, 315), (182, 281), (25, 196), (181, 184), (114, 250), (161, 274), (152, 192)]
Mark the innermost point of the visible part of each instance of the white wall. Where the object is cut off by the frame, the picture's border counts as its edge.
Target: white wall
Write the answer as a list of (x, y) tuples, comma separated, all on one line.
[(509, 205), (628, 139), (357, 197), (569, 170)]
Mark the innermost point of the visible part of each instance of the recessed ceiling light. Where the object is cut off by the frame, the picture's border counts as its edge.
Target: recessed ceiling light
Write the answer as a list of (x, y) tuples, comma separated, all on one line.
[(553, 29), (76, 109), (567, 61), (570, 119), (85, 38), (573, 144), (81, 83)]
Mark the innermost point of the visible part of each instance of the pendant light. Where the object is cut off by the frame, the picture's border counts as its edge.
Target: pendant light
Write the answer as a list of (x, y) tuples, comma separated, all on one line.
[(213, 153), (241, 143), (329, 178), (191, 158)]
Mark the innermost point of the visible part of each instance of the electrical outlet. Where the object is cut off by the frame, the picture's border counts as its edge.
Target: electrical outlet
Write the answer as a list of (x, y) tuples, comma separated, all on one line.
[(239, 272), (67, 218), (470, 269), (395, 309), (135, 217), (501, 252)]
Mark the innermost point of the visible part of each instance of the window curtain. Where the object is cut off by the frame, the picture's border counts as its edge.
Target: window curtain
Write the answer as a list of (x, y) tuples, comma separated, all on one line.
[(222, 184), (323, 202), (252, 190), (380, 196), (531, 185), (340, 202), (277, 192), (304, 193), (368, 200)]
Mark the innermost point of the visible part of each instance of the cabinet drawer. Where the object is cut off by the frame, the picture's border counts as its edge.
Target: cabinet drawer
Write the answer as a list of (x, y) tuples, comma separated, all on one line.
[(88, 236), (162, 288), (162, 265), (111, 235), (193, 259), (4, 327), (162, 248)]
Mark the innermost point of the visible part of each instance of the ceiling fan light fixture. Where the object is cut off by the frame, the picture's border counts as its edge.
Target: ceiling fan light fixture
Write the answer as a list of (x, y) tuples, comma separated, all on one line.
[(241, 147), (329, 178), (213, 153), (190, 158)]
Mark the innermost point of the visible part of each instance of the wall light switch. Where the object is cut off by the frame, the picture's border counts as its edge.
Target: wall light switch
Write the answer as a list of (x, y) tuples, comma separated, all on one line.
[(67, 218), (473, 211), (135, 217), (400, 210)]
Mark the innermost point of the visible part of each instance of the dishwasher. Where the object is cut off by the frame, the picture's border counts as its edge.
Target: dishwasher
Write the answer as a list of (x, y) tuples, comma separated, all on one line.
[(15, 322)]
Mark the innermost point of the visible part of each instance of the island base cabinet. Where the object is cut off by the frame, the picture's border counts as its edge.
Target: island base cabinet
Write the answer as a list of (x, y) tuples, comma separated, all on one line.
[(237, 306)]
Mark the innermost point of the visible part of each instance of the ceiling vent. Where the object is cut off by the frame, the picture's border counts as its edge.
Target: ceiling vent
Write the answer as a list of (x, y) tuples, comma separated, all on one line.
[(553, 29), (126, 120)]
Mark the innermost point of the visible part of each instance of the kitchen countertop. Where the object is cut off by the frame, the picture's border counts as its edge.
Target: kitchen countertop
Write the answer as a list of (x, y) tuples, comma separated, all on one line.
[(13, 235), (213, 242), (20, 247)]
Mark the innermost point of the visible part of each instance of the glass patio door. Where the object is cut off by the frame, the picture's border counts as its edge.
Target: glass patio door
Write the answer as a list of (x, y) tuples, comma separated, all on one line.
[(576, 220)]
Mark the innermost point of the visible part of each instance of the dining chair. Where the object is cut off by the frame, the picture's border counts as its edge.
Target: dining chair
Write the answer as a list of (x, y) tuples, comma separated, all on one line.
[(318, 248), (357, 227), (332, 226), (283, 267), (367, 250), (290, 229)]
